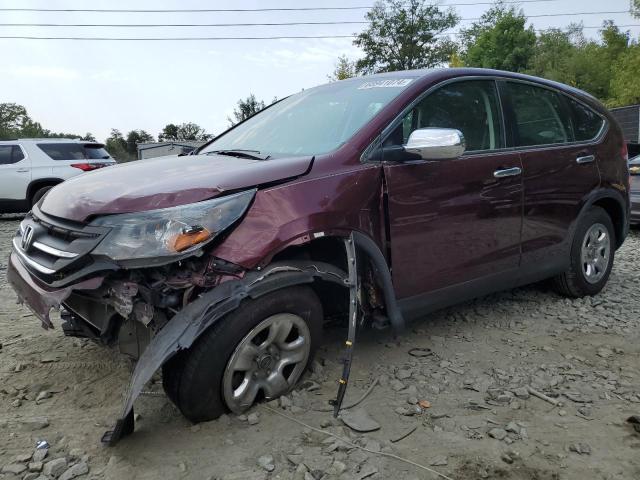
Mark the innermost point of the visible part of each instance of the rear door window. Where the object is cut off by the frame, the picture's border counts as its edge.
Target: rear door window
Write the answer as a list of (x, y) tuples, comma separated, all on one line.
[(63, 151), (469, 106), (540, 116), (10, 154)]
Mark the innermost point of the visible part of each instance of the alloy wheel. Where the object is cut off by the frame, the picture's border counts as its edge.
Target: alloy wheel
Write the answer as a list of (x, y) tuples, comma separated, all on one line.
[(595, 253), (267, 362)]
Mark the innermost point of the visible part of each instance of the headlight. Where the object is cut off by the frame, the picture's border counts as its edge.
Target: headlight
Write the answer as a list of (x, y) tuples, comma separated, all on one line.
[(169, 231), (634, 169)]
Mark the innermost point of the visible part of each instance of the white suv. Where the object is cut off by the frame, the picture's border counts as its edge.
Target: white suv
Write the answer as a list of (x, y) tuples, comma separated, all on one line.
[(31, 166)]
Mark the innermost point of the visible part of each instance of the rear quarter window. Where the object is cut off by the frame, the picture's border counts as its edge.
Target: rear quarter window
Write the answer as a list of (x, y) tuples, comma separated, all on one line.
[(586, 123)]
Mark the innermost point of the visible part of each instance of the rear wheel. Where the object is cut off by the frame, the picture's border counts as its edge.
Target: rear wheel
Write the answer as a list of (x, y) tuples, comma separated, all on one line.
[(257, 352), (39, 194), (592, 254)]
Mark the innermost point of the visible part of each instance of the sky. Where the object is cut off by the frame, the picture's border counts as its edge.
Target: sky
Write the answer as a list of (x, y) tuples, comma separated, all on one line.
[(84, 86)]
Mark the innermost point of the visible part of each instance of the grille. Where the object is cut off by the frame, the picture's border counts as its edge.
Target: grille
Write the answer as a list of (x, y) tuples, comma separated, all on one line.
[(52, 248)]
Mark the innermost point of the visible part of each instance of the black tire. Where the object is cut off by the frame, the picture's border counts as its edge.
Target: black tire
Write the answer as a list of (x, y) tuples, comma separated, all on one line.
[(193, 379), (35, 198), (573, 283)]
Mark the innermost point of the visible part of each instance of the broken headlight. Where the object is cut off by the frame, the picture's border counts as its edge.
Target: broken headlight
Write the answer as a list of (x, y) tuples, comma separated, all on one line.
[(169, 231)]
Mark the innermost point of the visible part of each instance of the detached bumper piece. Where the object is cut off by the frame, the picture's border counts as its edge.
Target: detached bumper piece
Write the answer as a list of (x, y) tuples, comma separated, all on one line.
[(353, 325)]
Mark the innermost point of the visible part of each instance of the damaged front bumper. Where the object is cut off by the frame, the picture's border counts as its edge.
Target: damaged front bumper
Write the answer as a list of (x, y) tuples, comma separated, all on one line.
[(39, 297)]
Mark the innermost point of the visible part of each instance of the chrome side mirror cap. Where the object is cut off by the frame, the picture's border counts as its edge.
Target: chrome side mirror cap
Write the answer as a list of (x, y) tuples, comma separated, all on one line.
[(436, 143)]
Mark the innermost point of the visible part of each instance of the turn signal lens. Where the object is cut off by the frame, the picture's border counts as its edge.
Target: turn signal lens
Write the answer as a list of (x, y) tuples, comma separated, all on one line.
[(188, 238)]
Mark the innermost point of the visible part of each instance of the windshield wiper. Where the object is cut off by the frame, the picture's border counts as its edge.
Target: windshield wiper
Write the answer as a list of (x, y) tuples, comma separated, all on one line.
[(240, 153)]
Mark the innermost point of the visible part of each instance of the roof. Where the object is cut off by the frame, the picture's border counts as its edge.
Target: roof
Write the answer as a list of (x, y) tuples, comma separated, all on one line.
[(52, 140)]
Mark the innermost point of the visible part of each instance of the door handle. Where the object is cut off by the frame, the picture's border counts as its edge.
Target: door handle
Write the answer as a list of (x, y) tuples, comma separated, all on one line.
[(585, 159), (22, 170), (507, 172)]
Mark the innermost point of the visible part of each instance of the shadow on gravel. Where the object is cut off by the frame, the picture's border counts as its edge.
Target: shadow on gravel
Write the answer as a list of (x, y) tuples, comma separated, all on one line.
[(13, 217)]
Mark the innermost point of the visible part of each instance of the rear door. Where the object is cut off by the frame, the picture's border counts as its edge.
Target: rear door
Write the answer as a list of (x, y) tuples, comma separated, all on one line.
[(554, 135), (15, 172), (451, 221)]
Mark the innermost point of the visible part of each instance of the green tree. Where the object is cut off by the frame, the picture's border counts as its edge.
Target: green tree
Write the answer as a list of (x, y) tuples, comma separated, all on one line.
[(192, 131), (13, 117), (344, 69), (116, 145), (635, 8), (552, 56), (15, 122), (183, 132), (499, 40), (169, 133), (625, 81), (134, 137), (405, 34), (246, 108)]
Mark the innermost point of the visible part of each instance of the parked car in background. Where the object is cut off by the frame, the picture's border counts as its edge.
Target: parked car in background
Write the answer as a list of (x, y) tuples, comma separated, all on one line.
[(634, 172), (29, 167), (380, 197)]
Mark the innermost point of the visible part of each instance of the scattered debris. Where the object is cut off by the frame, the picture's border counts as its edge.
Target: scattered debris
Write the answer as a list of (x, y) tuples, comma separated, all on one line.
[(404, 434), (544, 397), (359, 420), (580, 448), (439, 461), (267, 462), (635, 421), (253, 418), (498, 433), (55, 467)]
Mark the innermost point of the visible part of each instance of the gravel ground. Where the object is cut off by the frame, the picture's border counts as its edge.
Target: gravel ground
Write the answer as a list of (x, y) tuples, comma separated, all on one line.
[(460, 405)]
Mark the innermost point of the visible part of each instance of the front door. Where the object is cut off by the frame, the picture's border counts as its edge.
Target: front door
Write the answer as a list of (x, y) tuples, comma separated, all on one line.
[(452, 221), (15, 173)]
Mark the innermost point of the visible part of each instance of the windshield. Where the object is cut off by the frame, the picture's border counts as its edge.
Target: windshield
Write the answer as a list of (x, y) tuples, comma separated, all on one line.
[(312, 122)]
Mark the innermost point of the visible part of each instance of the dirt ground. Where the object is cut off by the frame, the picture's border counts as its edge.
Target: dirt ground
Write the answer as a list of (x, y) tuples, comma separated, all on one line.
[(475, 366)]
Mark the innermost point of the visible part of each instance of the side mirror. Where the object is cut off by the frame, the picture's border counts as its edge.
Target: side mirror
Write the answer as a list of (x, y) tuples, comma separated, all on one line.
[(436, 143)]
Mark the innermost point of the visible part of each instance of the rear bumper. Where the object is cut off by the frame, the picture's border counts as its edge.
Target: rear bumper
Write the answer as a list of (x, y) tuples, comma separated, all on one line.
[(39, 297)]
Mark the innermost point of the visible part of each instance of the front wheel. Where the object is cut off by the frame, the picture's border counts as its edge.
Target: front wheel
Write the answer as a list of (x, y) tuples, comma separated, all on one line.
[(257, 352), (592, 254)]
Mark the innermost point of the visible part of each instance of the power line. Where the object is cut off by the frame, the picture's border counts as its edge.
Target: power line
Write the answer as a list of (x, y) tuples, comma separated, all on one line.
[(237, 10), (178, 39), (268, 24)]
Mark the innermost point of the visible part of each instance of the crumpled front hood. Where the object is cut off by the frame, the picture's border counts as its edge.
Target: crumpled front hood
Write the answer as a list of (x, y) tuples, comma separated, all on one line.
[(163, 182)]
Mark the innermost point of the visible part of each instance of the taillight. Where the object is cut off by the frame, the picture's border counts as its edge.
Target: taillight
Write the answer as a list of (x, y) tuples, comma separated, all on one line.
[(625, 151), (87, 167)]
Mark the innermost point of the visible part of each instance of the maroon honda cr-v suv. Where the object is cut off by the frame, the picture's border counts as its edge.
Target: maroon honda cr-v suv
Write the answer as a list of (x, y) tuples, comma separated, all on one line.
[(376, 197)]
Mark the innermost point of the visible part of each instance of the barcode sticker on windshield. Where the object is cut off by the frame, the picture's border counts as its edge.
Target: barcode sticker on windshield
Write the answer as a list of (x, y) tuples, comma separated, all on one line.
[(395, 83)]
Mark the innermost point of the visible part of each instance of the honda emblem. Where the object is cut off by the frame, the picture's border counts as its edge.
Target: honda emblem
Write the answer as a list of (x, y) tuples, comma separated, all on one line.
[(27, 238)]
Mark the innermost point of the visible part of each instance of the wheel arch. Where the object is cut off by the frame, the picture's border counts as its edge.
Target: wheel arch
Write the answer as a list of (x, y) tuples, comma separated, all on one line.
[(39, 183), (612, 202), (329, 248)]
